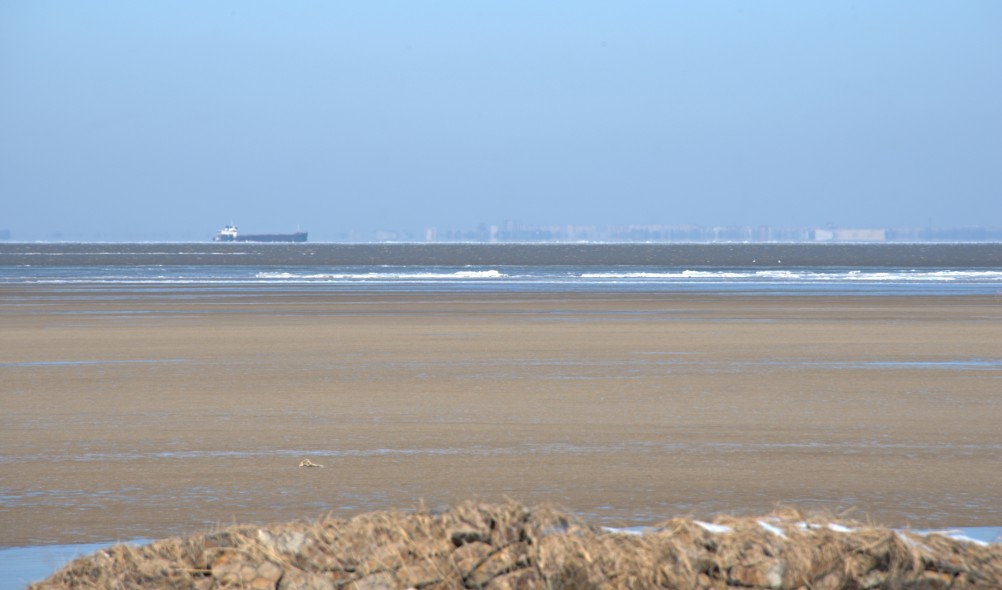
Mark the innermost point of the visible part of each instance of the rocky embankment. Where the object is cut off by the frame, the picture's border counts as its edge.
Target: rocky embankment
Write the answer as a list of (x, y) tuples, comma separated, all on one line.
[(512, 546)]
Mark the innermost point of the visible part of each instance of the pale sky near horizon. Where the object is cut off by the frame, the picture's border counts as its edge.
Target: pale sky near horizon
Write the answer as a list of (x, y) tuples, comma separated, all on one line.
[(126, 120)]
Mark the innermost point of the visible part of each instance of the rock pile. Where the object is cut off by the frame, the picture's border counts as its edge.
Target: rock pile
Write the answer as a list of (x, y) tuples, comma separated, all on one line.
[(511, 546)]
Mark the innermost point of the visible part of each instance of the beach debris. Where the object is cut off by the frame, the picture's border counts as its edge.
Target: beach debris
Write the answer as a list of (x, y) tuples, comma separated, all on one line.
[(308, 463)]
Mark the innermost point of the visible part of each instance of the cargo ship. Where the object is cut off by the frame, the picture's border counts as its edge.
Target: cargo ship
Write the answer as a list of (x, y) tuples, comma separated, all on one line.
[(230, 234)]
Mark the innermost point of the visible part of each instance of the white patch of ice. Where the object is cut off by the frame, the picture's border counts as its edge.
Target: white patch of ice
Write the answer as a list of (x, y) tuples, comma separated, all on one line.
[(909, 541), (832, 526), (714, 528), (772, 529), (633, 530)]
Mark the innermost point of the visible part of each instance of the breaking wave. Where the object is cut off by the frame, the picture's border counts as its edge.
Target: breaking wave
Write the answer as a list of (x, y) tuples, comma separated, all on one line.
[(804, 275), (385, 276)]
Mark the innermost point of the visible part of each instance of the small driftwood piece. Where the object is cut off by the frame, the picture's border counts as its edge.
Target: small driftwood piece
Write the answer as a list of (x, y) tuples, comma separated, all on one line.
[(308, 463)]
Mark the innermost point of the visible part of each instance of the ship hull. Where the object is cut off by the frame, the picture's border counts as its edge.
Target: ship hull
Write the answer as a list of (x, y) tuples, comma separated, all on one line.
[(296, 237)]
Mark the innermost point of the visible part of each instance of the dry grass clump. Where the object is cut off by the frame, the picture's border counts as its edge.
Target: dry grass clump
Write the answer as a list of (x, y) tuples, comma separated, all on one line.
[(511, 546)]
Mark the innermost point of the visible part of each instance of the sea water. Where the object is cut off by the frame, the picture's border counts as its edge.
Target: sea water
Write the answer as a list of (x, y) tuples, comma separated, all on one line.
[(947, 269), (185, 280)]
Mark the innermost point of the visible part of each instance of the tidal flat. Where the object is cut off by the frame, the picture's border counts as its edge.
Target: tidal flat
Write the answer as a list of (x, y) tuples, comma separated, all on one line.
[(142, 413)]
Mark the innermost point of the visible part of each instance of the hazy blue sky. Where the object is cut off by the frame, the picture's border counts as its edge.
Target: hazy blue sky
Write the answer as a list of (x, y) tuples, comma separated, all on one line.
[(165, 120)]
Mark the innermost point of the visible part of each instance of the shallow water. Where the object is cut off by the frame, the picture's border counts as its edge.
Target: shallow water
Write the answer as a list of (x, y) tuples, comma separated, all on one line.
[(20, 566)]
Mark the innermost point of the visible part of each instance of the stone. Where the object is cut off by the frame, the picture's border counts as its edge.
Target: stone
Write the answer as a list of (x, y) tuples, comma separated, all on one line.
[(422, 573), (765, 574), (246, 574), (267, 576), (461, 537), (830, 581), (873, 579), (215, 556), (375, 581), (935, 580), (526, 579), (390, 556), (469, 556), (300, 580), (288, 542), (705, 563), (318, 560), (706, 582), (500, 562), (230, 573)]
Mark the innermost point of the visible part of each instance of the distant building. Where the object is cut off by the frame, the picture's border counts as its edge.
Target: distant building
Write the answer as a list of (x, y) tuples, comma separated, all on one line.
[(514, 231), (850, 235)]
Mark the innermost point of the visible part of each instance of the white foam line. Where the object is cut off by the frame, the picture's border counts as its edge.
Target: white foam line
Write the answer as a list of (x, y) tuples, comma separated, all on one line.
[(376, 276)]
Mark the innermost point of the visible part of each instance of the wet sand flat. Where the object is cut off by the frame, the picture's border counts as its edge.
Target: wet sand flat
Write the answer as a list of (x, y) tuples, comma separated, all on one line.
[(146, 413)]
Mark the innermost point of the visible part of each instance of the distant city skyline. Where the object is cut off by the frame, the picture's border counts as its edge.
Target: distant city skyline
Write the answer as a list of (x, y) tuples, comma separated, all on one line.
[(511, 231)]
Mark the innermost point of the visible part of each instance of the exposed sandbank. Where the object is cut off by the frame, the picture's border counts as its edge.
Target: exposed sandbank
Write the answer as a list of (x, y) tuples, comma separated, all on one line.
[(145, 414)]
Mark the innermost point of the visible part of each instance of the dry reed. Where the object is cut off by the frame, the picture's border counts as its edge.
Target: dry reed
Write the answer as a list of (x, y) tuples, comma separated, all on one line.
[(513, 546)]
